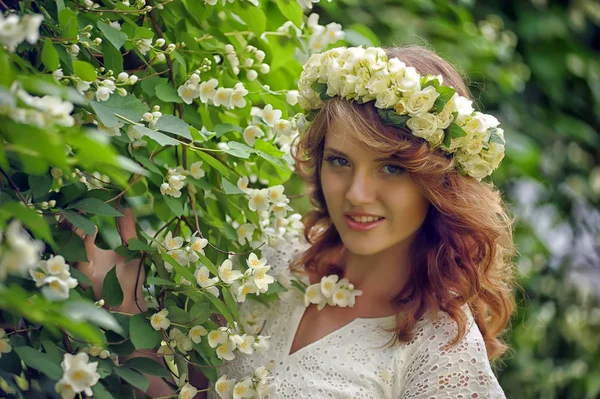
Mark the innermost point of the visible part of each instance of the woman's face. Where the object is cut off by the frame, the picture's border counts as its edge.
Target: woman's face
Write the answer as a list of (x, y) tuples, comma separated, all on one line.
[(374, 204)]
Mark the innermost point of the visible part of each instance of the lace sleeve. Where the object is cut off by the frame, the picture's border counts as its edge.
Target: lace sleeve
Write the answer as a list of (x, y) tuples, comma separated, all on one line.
[(461, 371)]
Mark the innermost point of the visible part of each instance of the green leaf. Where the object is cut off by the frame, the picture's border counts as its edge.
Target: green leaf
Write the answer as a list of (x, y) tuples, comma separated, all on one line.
[(111, 289), (167, 93), (40, 185), (253, 16), (88, 312), (159, 281), (100, 392), (50, 56), (321, 88), (172, 124), (231, 303), (72, 247), (220, 306), (174, 204), (67, 19), (453, 131), (495, 137), (136, 244), (199, 312), (116, 37), (178, 315), (113, 59), (53, 352), (209, 264), (85, 70), (291, 10), (147, 366), (79, 276), (81, 222), (133, 377), (157, 136), (95, 206), (30, 218), (267, 148), (213, 162), (184, 271), (223, 128), (143, 335), (39, 361), (230, 188), (446, 94), (392, 118), (129, 107)]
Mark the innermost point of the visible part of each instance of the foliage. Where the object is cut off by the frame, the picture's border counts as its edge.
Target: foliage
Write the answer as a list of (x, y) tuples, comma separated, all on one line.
[(190, 121), (535, 66)]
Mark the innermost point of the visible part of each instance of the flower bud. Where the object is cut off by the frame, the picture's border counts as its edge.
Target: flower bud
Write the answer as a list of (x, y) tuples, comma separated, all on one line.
[(156, 114), (147, 117), (132, 79), (156, 108), (248, 62), (74, 49), (265, 68), (52, 203), (98, 41), (44, 204), (159, 42), (236, 70), (170, 48), (121, 91), (229, 49), (260, 55), (160, 57), (251, 75), (122, 77)]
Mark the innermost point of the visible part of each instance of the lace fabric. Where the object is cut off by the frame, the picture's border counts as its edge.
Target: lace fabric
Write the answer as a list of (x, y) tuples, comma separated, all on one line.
[(357, 360)]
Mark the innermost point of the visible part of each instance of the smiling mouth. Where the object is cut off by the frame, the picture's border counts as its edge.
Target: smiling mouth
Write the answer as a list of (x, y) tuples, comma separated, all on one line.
[(365, 219)]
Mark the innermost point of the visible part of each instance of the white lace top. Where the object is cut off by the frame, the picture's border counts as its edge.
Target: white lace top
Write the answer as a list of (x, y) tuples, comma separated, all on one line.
[(356, 361)]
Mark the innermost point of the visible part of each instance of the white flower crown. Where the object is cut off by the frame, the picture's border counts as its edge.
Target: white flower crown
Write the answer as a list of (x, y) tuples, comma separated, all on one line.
[(404, 99)]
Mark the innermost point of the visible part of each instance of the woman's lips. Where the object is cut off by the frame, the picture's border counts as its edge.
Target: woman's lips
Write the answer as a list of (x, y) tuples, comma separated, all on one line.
[(358, 226)]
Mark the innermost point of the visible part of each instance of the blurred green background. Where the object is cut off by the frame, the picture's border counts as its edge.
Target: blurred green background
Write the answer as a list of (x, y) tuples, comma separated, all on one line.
[(535, 64)]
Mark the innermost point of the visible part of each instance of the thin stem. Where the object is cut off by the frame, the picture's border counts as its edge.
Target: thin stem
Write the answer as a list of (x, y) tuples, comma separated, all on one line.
[(12, 183)]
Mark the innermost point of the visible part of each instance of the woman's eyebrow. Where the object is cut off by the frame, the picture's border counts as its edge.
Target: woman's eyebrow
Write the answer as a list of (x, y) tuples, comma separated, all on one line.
[(338, 152)]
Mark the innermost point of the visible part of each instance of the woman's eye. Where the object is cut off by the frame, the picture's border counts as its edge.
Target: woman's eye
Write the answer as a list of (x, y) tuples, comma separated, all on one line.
[(337, 161), (392, 170)]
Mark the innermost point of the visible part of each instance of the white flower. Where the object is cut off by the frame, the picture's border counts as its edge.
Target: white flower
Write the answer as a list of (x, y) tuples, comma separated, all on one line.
[(56, 288), (247, 288), (262, 343), (242, 184), (410, 82), (245, 344), (198, 244), (196, 170), (474, 165), (291, 97), (283, 127), (424, 125), (224, 387), (238, 96), (262, 279), (254, 262), (227, 274), (328, 284), (270, 116), (78, 373), (56, 265), (103, 94), (58, 74), (188, 91), (5, 346), (208, 90), (160, 321), (261, 373), (166, 352), (110, 131), (314, 295), (64, 389), (202, 275), (143, 45), (116, 25), (172, 243), (183, 342), (225, 351), (245, 233), (187, 392), (196, 333), (251, 133), (223, 97), (217, 337), (276, 195), (180, 256), (243, 389), (334, 32), (259, 200)]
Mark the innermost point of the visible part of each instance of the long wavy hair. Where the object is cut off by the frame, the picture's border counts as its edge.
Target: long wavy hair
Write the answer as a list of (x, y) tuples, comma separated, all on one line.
[(462, 254)]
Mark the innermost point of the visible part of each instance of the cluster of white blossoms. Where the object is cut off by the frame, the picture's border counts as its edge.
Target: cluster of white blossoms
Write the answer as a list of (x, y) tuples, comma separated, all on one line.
[(183, 254), (42, 112), (104, 86), (252, 61), (223, 2), (255, 386), (209, 93), (18, 251), (331, 291), (322, 36), (175, 179), (152, 117), (5, 346), (15, 30), (79, 376), (271, 204), (226, 340), (422, 105), (54, 277), (96, 351)]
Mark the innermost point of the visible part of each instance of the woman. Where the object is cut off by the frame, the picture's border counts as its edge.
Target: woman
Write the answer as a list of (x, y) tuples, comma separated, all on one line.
[(402, 220)]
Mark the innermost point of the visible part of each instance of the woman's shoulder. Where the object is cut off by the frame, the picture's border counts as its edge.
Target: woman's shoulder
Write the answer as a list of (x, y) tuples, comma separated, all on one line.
[(435, 366)]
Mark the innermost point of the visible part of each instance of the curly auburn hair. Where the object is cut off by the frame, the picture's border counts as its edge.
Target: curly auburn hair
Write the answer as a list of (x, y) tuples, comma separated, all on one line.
[(462, 254)]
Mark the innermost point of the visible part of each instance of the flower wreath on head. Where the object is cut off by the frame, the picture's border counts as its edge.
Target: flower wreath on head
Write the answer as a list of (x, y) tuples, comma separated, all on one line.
[(405, 99)]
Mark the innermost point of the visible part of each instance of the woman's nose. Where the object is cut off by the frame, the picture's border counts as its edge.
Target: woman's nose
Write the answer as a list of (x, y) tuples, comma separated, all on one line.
[(362, 189)]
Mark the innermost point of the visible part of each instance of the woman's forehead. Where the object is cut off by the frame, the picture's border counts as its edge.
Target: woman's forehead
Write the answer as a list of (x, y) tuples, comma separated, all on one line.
[(348, 142)]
